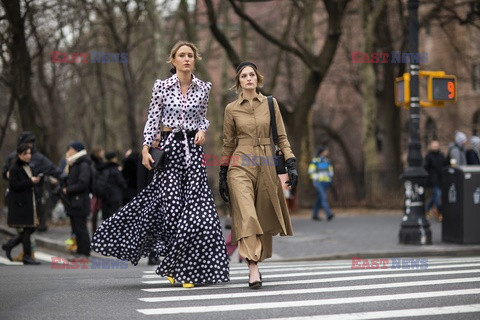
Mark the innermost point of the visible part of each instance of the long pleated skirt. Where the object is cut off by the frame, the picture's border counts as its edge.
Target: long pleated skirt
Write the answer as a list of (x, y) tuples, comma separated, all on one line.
[(175, 217)]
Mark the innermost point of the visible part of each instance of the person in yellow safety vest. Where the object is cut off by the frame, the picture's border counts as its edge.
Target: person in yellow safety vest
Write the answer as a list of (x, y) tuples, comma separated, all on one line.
[(320, 171)]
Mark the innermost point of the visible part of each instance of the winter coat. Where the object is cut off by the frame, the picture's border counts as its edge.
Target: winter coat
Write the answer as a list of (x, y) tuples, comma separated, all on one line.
[(458, 153), (434, 162), (39, 164), (21, 199), (257, 200), (473, 157), (116, 183), (78, 187)]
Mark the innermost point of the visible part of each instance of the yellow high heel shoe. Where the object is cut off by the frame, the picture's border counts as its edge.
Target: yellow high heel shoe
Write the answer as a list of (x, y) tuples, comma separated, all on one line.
[(188, 285), (171, 280)]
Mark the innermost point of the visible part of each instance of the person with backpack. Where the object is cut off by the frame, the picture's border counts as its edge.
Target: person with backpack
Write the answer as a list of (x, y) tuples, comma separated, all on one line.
[(321, 174), (77, 191), (115, 186)]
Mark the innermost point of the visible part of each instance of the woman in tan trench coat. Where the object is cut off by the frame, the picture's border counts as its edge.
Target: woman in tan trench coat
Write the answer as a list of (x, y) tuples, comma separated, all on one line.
[(248, 178)]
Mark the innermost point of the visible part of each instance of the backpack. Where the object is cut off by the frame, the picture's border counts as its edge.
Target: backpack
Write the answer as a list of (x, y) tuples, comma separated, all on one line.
[(99, 183)]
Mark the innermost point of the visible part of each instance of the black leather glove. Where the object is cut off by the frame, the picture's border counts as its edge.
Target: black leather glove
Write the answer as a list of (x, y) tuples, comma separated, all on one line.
[(292, 172), (223, 187)]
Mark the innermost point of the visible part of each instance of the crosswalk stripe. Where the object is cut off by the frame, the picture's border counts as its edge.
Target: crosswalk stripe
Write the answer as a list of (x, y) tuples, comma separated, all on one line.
[(309, 290), (311, 281), (389, 314), (305, 274), (306, 303), (43, 256), (9, 263), (265, 268)]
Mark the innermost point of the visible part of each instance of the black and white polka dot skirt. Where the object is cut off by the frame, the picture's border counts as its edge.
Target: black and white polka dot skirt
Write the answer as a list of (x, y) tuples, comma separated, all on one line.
[(175, 216)]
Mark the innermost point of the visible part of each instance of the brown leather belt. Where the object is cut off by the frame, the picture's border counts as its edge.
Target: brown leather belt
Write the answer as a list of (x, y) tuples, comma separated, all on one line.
[(253, 141)]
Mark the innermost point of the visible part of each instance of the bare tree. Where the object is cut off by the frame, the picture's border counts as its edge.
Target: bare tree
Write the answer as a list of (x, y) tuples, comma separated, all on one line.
[(316, 62), (20, 66)]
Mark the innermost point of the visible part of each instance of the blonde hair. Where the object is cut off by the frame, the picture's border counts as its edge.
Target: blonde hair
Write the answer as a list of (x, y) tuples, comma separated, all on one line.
[(237, 86), (180, 44)]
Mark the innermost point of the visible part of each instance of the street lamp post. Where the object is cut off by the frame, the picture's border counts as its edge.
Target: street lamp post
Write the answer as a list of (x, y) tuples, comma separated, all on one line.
[(415, 229)]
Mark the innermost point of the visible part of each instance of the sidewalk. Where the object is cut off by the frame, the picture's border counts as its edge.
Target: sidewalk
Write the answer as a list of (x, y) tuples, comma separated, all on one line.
[(360, 233)]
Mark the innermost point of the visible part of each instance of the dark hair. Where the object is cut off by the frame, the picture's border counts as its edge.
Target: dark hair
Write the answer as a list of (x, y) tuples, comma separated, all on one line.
[(239, 69), (22, 147), (110, 155)]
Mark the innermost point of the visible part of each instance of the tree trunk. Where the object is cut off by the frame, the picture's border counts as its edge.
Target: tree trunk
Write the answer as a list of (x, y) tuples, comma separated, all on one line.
[(369, 123), (21, 69)]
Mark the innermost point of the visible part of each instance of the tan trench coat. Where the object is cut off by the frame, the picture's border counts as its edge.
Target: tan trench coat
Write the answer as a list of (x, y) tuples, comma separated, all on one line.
[(257, 200)]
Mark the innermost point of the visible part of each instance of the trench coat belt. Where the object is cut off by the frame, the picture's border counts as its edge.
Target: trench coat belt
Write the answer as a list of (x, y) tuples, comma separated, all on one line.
[(253, 141)]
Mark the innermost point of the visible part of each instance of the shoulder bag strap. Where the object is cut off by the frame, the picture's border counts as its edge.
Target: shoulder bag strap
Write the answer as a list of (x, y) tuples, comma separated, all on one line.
[(273, 122)]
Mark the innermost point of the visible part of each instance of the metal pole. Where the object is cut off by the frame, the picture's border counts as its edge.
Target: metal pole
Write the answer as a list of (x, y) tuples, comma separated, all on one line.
[(415, 229)]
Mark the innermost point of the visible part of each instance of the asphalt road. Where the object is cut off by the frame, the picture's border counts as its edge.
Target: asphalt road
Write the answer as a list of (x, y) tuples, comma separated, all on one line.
[(437, 288)]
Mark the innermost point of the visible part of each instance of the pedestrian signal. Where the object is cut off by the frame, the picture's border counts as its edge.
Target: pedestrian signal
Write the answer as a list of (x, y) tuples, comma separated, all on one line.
[(442, 88)]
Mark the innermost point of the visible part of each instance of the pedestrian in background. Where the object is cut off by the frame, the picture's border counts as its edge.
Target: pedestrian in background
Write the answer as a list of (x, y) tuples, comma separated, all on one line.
[(175, 215), (97, 155), (456, 151), (22, 211), (254, 191), (320, 171), (116, 186), (39, 164), (434, 162), (77, 191), (473, 154), (130, 172)]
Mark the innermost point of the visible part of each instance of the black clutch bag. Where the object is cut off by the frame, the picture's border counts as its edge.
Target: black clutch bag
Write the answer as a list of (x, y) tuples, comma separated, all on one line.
[(159, 158), (278, 154)]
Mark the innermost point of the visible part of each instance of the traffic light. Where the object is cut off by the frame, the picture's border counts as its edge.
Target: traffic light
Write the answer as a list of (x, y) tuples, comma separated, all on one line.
[(402, 90), (441, 88)]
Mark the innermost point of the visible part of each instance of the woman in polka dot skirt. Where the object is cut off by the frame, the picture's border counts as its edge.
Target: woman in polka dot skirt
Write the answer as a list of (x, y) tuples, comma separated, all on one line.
[(175, 215)]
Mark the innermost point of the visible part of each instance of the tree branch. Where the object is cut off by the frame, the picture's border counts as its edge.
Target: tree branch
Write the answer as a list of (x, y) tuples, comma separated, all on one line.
[(220, 36), (305, 56)]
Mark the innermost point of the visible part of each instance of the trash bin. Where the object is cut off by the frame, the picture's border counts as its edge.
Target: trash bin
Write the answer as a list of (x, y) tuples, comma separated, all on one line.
[(461, 204)]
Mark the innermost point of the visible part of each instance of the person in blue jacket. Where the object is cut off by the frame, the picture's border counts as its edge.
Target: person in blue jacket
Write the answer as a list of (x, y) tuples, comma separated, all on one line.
[(320, 171)]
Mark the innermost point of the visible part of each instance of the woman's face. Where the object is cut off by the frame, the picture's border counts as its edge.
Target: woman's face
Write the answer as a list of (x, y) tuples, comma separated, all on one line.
[(184, 60), (26, 155), (248, 79)]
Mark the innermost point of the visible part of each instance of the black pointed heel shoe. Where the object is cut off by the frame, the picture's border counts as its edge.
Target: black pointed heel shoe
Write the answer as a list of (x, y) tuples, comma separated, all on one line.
[(255, 285)]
